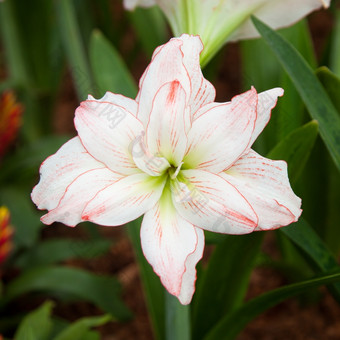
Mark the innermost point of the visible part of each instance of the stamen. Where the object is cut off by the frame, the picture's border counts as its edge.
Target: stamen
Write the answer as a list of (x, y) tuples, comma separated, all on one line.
[(174, 175)]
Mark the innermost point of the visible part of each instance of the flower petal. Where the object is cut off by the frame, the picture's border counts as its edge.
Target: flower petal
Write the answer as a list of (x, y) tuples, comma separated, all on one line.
[(277, 14), (202, 91), (264, 183), (166, 130), (266, 102), (78, 194), (132, 4), (145, 160), (219, 136), (210, 202), (176, 60), (124, 200), (173, 247), (59, 170), (107, 131), (120, 100)]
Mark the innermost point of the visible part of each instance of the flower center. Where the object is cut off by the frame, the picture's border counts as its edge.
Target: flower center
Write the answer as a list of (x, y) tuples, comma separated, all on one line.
[(173, 171)]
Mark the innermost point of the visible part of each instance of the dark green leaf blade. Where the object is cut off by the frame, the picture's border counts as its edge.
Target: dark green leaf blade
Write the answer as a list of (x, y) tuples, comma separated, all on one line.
[(57, 250), (295, 149), (79, 329), (224, 283), (233, 323), (110, 71), (316, 250), (37, 325), (311, 91), (101, 290)]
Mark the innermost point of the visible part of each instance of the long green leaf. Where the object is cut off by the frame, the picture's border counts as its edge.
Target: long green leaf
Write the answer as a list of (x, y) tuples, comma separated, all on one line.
[(57, 250), (78, 329), (233, 323), (37, 325), (295, 149), (101, 290), (24, 217), (150, 26), (316, 250), (223, 285), (311, 91), (110, 71), (331, 83)]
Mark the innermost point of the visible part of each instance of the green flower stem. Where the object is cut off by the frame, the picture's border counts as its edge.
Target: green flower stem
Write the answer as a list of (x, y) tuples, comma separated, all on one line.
[(335, 49), (177, 319)]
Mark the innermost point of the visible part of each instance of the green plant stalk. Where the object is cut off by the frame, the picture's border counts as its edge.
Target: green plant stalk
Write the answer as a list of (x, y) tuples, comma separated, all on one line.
[(75, 51), (335, 48), (177, 319)]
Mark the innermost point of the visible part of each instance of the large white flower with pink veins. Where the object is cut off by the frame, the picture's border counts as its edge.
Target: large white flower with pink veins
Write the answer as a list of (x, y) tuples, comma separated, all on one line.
[(174, 155)]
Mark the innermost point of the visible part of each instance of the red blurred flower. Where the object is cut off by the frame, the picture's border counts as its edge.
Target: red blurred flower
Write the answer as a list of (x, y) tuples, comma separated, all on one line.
[(10, 119), (6, 232)]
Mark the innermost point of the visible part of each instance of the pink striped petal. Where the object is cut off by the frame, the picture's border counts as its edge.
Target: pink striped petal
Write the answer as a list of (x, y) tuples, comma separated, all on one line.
[(219, 136), (124, 200), (173, 247), (178, 60), (166, 130), (107, 131), (120, 100), (266, 102), (59, 170), (210, 202), (145, 160), (264, 183), (78, 194), (202, 91)]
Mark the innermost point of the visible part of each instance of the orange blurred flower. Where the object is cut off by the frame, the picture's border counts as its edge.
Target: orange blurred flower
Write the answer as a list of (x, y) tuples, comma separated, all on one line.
[(6, 232), (10, 119)]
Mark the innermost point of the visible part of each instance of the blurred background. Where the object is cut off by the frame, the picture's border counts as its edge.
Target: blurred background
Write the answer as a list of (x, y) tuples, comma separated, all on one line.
[(53, 53)]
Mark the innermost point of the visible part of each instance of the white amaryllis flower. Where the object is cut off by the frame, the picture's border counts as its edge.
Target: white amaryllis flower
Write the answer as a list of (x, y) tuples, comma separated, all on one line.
[(218, 21), (174, 155)]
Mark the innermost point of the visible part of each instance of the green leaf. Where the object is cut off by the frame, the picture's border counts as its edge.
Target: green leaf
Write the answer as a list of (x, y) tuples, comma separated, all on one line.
[(153, 288), (331, 83), (57, 250), (232, 324), (150, 26), (311, 91), (223, 285), (36, 325), (24, 217), (312, 245), (295, 149), (110, 71), (78, 329), (101, 290), (24, 164)]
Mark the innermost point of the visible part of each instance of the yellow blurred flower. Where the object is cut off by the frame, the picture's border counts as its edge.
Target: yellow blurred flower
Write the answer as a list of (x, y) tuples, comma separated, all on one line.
[(10, 119), (6, 232)]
